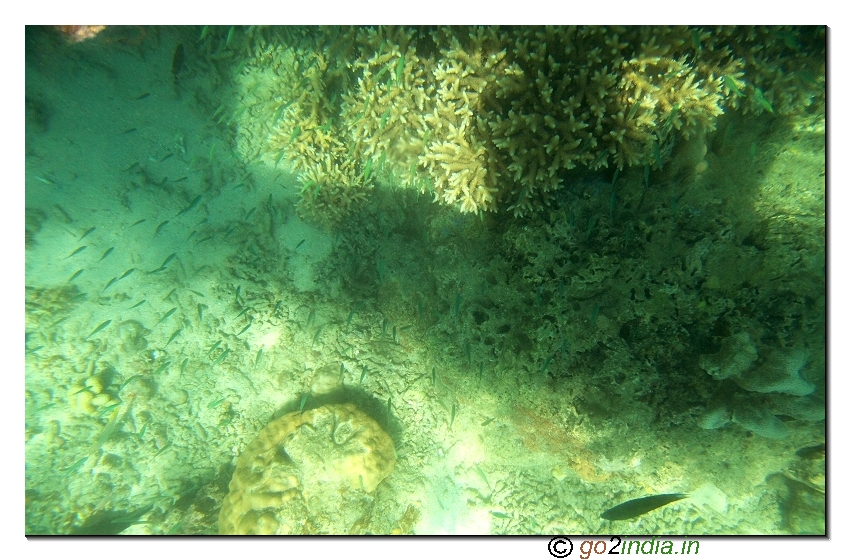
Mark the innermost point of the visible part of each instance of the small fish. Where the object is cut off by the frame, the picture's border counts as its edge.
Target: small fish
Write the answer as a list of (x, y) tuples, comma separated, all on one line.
[(177, 61), (221, 356), (159, 228), (139, 304), (167, 315), (216, 402), (399, 69), (127, 273), (74, 467), (244, 311), (733, 87), (763, 101), (143, 96), (129, 379), (100, 327), (259, 357), (434, 375), (183, 365), (696, 40), (363, 375), (214, 346), (639, 506), (302, 403), (197, 293), (191, 205), (107, 253), (546, 363), (482, 475), (295, 134), (164, 447), (161, 368), (167, 260), (499, 514), (454, 413), (129, 130), (173, 336), (88, 231), (77, 251), (67, 216), (299, 244), (143, 220), (176, 527), (109, 409), (248, 326), (276, 307), (143, 430), (169, 294), (76, 275), (318, 334), (108, 284), (486, 422)]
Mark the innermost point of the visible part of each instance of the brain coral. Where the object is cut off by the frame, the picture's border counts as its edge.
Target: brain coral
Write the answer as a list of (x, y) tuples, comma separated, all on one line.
[(308, 473)]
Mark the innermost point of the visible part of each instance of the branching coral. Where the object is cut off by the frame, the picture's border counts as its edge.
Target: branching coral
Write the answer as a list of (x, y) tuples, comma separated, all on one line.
[(491, 118)]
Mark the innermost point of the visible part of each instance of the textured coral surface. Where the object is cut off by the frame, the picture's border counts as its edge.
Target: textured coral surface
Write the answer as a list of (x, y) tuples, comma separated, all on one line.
[(307, 473), (489, 118)]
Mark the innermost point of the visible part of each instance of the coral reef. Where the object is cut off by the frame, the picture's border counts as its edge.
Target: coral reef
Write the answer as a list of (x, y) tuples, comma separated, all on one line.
[(308, 473), (489, 118)]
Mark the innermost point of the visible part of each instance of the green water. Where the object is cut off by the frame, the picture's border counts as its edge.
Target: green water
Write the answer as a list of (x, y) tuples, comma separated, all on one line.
[(532, 372)]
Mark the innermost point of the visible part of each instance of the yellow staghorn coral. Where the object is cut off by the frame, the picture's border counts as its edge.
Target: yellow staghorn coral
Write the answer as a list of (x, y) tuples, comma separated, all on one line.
[(489, 118)]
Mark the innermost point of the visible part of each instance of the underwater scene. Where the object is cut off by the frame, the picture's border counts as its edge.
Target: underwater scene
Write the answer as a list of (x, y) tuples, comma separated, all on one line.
[(425, 280)]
